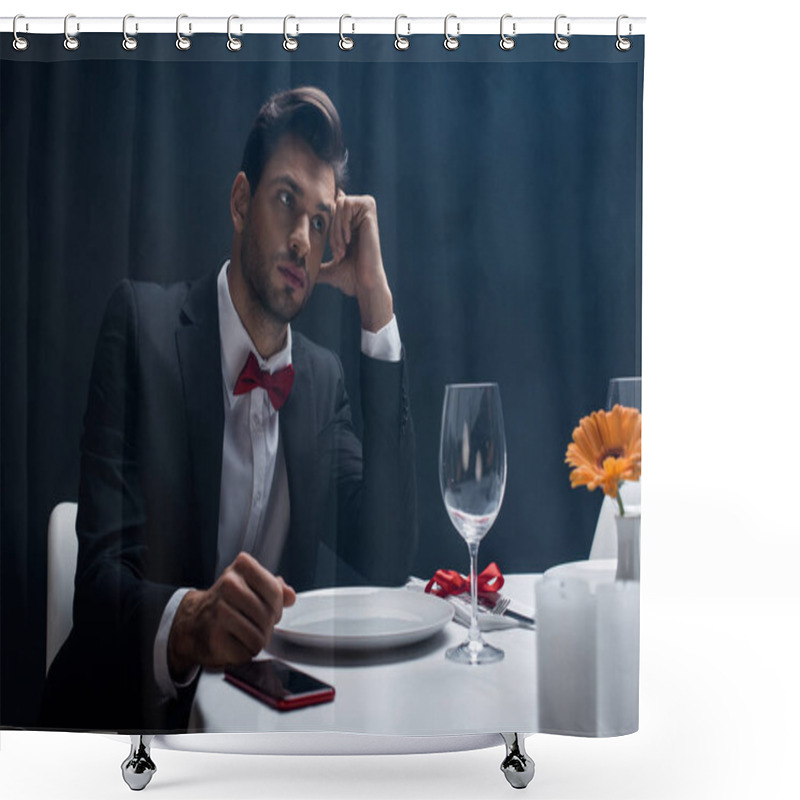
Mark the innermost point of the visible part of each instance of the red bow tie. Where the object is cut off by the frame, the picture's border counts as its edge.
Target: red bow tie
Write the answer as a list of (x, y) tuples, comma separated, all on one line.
[(278, 384)]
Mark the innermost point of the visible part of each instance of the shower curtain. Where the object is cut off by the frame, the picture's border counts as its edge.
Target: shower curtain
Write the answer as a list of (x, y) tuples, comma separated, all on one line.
[(507, 194)]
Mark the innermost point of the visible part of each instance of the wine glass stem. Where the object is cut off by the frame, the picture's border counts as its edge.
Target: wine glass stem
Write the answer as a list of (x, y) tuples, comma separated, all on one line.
[(474, 630)]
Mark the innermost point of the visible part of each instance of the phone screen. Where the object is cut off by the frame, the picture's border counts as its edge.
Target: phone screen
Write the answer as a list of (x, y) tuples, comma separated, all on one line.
[(278, 684)]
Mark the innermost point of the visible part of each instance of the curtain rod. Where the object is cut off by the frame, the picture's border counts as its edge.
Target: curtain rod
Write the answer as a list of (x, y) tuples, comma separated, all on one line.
[(346, 25)]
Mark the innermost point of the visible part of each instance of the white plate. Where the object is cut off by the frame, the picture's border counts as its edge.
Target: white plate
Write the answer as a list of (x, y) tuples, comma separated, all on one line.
[(363, 618)]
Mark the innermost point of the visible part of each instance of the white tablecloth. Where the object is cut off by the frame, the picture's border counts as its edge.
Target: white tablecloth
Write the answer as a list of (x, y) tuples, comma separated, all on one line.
[(411, 691)]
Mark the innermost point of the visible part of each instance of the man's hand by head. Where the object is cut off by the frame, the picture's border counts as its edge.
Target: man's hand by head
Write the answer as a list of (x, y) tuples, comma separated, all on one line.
[(232, 621), (357, 265)]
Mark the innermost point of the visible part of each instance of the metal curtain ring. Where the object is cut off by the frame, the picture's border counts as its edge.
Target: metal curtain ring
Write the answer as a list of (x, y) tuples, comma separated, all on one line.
[(623, 44), (70, 42), (400, 42), (561, 43), (233, 44), (507, 42), (182, 43), (451, 42), (20, 42), (345, 42), (128, 42), (289, 43)]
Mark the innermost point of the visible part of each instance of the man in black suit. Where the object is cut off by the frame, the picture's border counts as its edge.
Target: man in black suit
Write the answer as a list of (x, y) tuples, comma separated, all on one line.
[(218, 448)]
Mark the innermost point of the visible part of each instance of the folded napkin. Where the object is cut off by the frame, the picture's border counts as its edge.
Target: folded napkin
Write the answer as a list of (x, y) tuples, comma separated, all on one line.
[(461, 603)]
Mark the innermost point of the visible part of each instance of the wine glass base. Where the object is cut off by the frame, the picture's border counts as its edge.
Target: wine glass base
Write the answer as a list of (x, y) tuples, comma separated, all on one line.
[(477, 652)]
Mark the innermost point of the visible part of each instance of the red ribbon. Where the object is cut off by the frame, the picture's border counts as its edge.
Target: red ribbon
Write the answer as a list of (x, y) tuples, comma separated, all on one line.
[(448, 581)]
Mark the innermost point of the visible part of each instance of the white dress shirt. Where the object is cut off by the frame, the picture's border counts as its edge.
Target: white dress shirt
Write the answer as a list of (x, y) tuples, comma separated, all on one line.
[(254, 491)]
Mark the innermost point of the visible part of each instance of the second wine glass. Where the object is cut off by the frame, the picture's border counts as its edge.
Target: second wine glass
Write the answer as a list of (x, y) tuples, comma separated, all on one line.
[(472, 477)]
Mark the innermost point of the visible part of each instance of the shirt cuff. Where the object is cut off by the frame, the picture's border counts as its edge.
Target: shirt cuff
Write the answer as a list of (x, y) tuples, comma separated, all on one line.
[(166, 685), (385, 344)]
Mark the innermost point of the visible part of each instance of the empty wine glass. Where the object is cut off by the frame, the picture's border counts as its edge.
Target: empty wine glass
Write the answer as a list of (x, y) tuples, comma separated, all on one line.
[(625, 392), (472, 477)]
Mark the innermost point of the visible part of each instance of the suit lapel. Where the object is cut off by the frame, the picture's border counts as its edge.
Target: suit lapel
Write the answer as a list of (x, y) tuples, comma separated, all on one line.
[(297, 430), (197, 339)]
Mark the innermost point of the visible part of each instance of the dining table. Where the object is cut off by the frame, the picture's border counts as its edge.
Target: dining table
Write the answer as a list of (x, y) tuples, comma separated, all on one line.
[(405, 691)]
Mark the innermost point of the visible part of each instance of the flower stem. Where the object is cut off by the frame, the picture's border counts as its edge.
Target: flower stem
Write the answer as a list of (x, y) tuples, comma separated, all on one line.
[(619, 499)]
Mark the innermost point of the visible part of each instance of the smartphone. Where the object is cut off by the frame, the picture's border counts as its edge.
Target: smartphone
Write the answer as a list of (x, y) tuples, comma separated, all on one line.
[(279, 685)]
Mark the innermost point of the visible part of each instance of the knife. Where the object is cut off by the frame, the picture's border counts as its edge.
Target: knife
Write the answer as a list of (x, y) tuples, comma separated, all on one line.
[(527, 622)]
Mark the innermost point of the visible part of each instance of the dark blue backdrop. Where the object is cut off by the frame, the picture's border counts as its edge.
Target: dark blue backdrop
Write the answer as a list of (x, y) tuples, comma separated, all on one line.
[(509, 198)]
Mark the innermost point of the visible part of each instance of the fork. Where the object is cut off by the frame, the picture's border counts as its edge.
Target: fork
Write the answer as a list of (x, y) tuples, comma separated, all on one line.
[(498, 608)]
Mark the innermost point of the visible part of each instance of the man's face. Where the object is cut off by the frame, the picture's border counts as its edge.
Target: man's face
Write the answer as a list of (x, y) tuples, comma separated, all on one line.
[(286, 228)]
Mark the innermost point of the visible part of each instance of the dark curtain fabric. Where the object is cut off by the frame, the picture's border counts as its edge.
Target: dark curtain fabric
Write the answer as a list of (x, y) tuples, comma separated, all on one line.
[(509, 198)]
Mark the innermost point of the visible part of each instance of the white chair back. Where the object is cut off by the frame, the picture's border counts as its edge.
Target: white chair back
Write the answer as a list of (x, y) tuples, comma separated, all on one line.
[(62, 559)]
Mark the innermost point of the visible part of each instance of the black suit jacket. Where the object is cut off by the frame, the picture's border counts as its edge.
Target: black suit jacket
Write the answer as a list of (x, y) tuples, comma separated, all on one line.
[(148, 512)]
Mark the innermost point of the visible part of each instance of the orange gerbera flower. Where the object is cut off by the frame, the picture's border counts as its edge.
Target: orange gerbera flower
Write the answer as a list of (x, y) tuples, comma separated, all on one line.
[(606, 449)]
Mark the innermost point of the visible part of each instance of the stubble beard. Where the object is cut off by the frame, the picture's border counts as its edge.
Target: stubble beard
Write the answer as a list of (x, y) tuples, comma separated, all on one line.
[(278, 305)]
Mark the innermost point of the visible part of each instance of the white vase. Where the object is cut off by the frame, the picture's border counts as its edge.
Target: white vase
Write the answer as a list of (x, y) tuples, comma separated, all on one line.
[(628, 545)]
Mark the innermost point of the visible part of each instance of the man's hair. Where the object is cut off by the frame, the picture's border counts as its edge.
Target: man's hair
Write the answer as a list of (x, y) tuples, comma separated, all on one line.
[(305, 112)]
